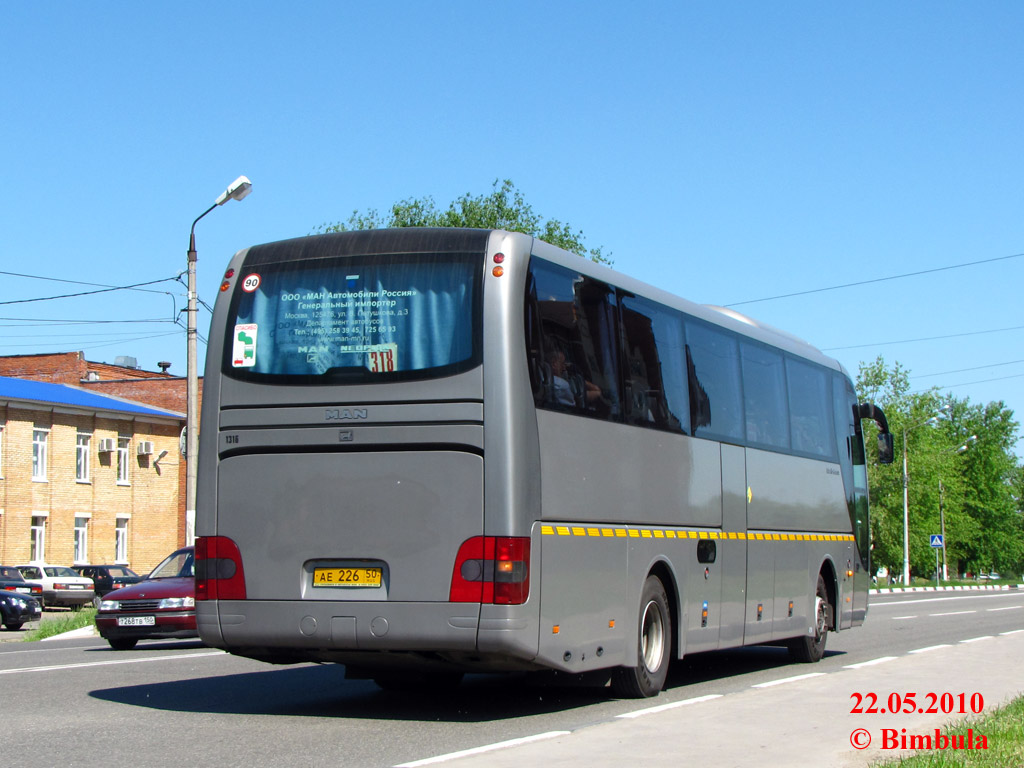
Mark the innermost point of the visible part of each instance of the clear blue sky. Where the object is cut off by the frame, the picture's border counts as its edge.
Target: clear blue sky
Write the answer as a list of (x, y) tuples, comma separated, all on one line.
[(727, 152)]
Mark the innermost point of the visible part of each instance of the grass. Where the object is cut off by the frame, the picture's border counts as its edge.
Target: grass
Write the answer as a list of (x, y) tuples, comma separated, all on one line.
[(1004, 729), (65, 623)]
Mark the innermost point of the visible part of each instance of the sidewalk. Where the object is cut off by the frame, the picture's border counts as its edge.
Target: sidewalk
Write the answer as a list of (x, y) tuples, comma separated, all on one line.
[(805, 721)]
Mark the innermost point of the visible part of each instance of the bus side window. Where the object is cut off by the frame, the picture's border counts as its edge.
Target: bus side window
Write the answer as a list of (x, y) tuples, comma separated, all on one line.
[(572, 337), (654, 365), (764, 392), (713, 367), (809, 411)]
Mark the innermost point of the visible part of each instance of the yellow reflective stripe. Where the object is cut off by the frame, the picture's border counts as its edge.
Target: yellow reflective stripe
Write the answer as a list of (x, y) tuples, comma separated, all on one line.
[(547, 529)]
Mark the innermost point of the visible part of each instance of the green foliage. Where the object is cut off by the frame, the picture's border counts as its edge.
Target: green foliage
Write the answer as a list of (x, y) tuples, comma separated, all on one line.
[(65, 622), (977, 489), (504, 208)]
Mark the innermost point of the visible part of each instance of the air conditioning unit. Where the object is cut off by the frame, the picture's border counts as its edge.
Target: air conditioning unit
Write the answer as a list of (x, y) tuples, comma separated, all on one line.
[(145, 448), (107, 445)]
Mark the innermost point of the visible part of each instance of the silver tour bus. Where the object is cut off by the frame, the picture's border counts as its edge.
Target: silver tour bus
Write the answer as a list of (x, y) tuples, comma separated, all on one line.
[(433, 451)]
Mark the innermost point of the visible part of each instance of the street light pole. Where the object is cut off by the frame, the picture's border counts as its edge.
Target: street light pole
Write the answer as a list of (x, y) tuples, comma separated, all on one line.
[(239, 188)]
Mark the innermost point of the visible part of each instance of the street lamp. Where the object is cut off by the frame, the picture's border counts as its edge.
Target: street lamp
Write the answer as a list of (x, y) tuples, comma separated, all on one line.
[(931, 421), (942, 513), (239, 188)]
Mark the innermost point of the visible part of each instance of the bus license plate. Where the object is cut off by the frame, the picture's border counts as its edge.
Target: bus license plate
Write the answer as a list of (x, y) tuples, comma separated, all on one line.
[(346, 577), (136, 621)]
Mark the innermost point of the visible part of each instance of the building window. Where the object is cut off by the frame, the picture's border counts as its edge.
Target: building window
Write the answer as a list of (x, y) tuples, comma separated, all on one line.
[(82, 457), (40, 437), (81, 539), (37, 547), (121, 540), (123, 443)]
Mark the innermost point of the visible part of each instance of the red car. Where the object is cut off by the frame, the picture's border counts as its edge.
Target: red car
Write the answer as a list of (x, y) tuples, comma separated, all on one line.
[(163, 605)]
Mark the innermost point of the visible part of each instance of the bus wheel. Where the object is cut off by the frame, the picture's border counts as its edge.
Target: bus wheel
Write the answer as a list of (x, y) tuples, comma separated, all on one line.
[(809, 649), (647, 678)]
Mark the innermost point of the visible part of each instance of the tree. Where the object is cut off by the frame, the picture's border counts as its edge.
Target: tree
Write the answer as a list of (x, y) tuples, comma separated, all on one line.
[(977, 489), (504, 208)]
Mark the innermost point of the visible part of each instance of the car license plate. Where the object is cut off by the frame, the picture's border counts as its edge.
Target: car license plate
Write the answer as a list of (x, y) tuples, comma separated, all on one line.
[(76, 586), (136, 621), (347, 577)]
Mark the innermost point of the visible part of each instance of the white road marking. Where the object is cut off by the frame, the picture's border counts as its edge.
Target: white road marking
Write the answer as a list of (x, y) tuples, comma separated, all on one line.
[(787, 680), (481, 750), (111, 662), (929, 648), (871, 663), (673, 705)]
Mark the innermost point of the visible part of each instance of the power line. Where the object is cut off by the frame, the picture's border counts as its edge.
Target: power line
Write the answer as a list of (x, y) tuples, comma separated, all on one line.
[(94, 285), (65, 335), (969, 383), (965, 370), (105, 344), (91, 293), (926, 338), (34, 322), (875, 280)]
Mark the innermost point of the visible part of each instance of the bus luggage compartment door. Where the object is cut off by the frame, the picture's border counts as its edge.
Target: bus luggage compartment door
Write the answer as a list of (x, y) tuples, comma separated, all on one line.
[(338, 516)]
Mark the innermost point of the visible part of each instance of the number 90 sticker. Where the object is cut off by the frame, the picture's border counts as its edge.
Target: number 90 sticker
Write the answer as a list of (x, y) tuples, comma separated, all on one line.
[(251, 283)]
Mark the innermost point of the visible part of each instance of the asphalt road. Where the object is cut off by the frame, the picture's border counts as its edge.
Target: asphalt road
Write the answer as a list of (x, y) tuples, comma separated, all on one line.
[(76, 702)]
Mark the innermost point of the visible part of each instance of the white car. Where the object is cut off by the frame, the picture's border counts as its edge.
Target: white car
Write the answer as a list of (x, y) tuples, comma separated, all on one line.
[(60, 584)]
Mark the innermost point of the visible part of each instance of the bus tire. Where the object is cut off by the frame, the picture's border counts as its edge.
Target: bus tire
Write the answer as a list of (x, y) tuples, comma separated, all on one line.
[(654, 646), (808, 649)]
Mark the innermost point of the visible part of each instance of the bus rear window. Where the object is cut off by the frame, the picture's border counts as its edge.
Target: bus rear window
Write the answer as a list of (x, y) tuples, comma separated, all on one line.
[(357, 319)]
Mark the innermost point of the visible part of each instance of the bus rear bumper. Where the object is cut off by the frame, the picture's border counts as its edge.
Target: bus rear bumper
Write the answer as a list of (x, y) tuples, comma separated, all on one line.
[(292, 631)]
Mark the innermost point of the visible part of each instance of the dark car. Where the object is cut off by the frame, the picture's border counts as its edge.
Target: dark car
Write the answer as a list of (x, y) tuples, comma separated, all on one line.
[(16, 609), (11, 580), (163, 605), (107, 578)]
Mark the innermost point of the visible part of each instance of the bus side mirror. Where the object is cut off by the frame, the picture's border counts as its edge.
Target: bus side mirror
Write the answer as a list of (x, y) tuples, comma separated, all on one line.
[(885, 449)]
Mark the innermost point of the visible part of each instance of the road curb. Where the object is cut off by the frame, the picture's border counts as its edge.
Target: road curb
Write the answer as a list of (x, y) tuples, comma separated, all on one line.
[(976, 588), (73, 634)]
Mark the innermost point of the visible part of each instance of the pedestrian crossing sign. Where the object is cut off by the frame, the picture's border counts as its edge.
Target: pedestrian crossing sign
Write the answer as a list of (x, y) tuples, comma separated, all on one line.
[(936, 540)]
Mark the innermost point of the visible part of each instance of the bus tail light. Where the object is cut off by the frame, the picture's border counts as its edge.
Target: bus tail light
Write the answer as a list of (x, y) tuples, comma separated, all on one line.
[(219, 573), (493, 570)]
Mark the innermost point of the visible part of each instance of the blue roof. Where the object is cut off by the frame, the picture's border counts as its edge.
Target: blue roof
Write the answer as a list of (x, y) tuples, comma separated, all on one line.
[(62, 394)]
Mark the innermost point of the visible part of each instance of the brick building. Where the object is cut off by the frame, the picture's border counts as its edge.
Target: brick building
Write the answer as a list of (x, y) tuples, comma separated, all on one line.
[(84, 475)]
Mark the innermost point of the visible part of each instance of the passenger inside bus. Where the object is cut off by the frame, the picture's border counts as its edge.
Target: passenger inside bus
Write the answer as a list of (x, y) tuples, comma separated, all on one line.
[(567, 388)]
